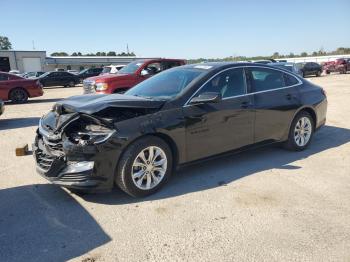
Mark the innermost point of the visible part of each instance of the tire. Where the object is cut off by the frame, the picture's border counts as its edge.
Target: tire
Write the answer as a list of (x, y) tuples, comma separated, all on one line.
[(318, 74), (71, 84), (295, 144), (18, 95), (137, 179)]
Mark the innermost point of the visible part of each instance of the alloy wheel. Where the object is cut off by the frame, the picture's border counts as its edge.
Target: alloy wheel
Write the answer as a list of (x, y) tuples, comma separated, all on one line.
[(302, 131), (149, 168)]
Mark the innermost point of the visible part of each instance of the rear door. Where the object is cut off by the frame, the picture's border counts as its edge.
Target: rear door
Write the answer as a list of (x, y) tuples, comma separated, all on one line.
[(215, 128), (276, 98)]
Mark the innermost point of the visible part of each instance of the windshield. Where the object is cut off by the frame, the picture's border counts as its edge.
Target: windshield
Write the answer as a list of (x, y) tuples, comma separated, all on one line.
[(131, 68), (167, 84), (83, 71), (106, 70), (45, 74)]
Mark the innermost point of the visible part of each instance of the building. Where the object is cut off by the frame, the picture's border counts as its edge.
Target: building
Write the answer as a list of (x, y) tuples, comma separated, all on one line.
[(82, 62), (27, 61), (23, 61)]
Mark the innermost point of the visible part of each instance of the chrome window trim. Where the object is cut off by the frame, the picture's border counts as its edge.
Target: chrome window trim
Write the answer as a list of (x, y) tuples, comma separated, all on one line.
[(246, 94)]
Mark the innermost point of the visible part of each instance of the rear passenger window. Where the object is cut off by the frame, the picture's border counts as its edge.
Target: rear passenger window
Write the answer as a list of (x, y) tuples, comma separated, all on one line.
[(263, 79), (290, 80)]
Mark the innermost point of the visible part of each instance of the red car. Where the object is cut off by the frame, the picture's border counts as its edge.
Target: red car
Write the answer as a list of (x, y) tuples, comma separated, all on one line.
[(340, 65), (18, 89), (130, 75)]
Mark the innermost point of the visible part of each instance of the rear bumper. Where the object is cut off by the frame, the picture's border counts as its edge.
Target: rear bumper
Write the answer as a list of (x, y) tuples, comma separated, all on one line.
[(36, 92)]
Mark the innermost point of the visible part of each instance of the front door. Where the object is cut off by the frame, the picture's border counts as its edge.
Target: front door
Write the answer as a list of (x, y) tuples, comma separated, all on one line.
[(214, 128)]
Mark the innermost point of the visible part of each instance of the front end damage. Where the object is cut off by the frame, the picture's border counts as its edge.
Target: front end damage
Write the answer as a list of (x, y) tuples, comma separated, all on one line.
[(81, 150)]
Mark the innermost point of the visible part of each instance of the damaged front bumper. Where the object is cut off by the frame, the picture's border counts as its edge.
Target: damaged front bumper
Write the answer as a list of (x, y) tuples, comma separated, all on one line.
[(84, 167)]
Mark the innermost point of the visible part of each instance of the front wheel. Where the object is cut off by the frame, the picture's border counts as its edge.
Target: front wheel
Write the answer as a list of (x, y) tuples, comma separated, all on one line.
[(300, 132), (144, 167), (18, 95), (71, 84)]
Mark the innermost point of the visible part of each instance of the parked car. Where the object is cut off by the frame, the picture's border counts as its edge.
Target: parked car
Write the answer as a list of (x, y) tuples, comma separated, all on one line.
[(181, 115), (310, 68), (15, 72), (329, 67), (267, 61), (341, 65), (58, 78), (2, 107), (292, 67), (128, 76), (32, 74), (73, 71), (111, 69), (18, 89), (89, 72)]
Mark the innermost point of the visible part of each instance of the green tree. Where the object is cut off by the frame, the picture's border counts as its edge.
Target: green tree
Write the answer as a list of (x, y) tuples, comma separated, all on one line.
[(75, 54), (275, 55), (59, 54), (5, 43), (291, 55), (111, 53), (303, 54)]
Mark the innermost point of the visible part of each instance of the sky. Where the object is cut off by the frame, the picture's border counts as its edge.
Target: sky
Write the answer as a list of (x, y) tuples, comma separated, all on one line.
[(177, 28)]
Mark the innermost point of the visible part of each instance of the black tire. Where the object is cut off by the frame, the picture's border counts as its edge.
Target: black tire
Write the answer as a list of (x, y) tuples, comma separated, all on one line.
[(123, 177), (318, 74), (71, 84), (18, 95), (291, 144)]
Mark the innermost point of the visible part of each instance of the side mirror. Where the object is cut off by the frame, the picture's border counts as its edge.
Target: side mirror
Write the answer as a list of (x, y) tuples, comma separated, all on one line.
[(208, 97), (144, 72)]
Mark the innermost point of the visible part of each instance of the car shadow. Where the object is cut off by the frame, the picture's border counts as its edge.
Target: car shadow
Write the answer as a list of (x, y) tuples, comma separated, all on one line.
[(14, 123), (45, 223), (223, 170)]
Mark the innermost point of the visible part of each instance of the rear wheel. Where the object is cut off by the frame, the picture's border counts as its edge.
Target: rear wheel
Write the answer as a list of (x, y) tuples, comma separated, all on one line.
[(144, 167), (318, 73), (71, 84), (18, 95), (301, 132)]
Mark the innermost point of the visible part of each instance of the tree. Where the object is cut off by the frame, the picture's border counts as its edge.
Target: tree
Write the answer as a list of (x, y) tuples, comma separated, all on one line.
[(59, 54), (111, 53), (75, 54), (275, 55), (303, 54), (291, 55), (5, 43)]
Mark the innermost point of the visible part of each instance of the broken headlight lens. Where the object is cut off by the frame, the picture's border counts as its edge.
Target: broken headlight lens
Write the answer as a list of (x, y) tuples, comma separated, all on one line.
[(88, 134)]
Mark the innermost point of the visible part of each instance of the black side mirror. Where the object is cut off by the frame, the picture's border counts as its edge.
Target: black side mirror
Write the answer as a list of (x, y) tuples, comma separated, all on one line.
[(207, 97)]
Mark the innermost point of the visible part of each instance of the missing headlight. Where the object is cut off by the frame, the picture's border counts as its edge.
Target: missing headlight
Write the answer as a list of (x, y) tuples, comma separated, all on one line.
[(87, 131)]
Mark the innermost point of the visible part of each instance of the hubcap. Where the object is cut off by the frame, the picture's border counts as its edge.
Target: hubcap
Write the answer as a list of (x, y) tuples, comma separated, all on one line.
[(149, 168), (302, 131)]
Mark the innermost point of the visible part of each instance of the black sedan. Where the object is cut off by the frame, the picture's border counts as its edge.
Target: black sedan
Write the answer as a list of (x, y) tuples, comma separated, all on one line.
[(310, 68), (191, 112), (58, 78), (90, 72)]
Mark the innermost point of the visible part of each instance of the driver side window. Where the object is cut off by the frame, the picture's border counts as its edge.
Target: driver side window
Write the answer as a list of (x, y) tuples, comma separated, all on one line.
[(229, 83)]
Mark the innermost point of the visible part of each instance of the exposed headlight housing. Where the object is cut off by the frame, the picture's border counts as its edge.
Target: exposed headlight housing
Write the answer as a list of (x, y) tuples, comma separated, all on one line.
[(101, 86)]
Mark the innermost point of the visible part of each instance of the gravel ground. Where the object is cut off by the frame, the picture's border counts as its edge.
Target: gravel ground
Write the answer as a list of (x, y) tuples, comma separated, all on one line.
[(263, 205)]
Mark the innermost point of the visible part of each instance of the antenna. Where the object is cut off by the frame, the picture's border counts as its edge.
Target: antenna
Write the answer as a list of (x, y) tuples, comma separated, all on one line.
[(127, 48)]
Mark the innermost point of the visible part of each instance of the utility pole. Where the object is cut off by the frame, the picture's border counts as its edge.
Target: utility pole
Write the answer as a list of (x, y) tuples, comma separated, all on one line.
[(127, 48), (33, 44)]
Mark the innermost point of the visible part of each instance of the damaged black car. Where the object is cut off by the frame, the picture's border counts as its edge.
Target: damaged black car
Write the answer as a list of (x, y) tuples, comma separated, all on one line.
[(136, 140)]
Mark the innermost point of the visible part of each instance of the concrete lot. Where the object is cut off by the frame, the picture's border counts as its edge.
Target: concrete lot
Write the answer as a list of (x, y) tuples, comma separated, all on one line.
[(263, 205)]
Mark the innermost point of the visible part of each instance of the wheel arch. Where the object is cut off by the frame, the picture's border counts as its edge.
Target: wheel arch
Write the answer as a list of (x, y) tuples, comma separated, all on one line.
[(17, 87)]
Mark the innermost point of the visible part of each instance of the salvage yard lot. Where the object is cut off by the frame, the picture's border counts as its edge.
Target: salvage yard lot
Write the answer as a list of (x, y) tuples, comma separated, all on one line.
[(268, 204)]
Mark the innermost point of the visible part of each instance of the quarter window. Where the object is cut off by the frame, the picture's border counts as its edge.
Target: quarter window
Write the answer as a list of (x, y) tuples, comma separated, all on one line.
[(229, 83), (290, 80), (263, 79)]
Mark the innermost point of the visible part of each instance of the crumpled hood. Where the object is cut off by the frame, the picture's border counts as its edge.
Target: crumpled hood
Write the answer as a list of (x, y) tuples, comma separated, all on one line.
[(90, 104)]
